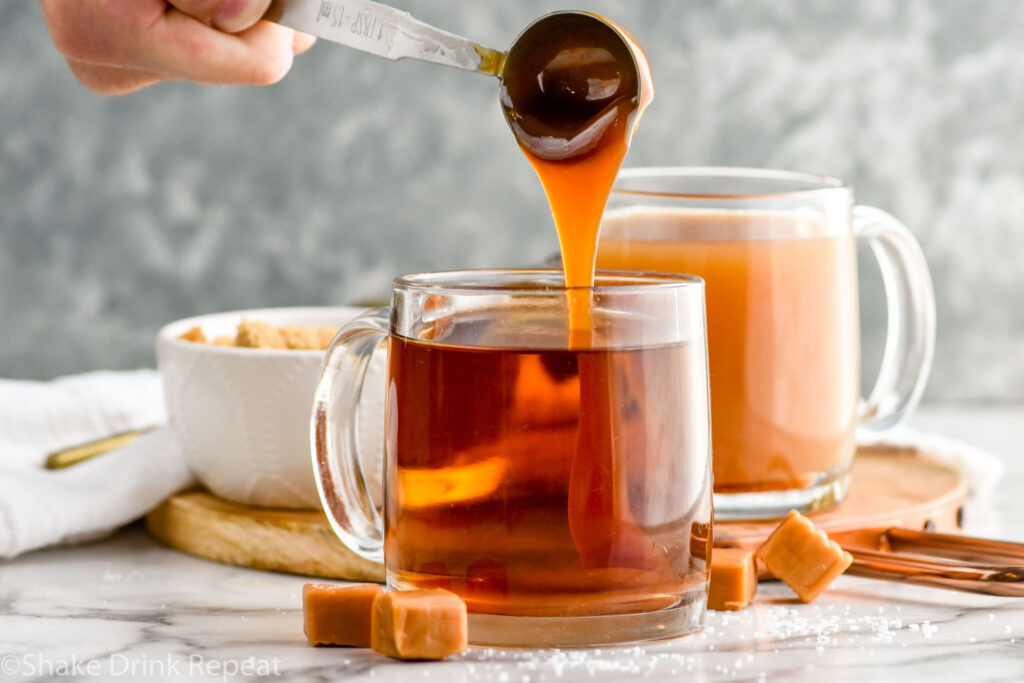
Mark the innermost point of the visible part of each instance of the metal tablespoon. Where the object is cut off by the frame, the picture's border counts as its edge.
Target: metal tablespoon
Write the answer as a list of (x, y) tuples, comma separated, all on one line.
[(387, 32)]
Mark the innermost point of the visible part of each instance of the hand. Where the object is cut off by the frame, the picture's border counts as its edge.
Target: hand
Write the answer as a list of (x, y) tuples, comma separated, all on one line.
[(117, 46)]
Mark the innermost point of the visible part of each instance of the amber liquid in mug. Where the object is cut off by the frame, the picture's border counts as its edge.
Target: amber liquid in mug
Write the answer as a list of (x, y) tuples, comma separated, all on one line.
[(554, 482), (783, 341), (488, 496)]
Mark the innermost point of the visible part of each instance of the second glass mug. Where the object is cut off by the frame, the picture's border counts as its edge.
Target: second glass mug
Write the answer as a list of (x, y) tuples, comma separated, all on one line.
[(777, 251), (563, 491)]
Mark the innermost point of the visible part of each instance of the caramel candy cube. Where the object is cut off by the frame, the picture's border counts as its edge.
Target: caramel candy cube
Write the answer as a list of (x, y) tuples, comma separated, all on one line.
[(339, 614), (803, 556), (419, 624), (733, 579)]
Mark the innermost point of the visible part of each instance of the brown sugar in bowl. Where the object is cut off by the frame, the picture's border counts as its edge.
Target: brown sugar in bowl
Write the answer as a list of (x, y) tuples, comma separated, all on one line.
[(242, 414)]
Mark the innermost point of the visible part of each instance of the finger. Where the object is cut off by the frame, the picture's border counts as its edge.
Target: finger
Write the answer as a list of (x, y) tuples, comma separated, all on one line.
[(113, 80), (186, 48), (302, 42), (102, 33), (232, 16)]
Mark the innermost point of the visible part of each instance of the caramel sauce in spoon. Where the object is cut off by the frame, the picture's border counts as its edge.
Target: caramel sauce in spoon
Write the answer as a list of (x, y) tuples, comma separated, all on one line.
[(573, 87)]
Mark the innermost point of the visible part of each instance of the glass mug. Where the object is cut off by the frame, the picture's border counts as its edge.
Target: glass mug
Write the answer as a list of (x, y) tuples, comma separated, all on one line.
[(777, 253), (564, 493)]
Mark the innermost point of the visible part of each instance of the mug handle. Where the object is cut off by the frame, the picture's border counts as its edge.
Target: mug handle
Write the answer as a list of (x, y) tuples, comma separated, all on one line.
[(910, 335), (334, 435)]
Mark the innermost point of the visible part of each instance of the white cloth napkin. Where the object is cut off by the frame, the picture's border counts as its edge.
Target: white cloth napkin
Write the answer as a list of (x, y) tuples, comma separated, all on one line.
[(39, 507)]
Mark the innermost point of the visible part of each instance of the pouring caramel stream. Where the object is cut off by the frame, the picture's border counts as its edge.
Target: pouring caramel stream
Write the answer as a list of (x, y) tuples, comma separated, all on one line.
[(573, 89)]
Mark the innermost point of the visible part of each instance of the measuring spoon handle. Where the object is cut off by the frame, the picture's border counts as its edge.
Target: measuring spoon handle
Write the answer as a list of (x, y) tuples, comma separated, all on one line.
[(383, 31)]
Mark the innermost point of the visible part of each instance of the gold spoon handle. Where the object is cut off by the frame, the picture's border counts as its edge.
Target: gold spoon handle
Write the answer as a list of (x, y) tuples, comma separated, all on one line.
[(76, 454)]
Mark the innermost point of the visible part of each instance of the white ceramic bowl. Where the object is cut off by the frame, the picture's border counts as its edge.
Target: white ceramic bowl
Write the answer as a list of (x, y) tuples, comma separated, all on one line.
[(243, 414)]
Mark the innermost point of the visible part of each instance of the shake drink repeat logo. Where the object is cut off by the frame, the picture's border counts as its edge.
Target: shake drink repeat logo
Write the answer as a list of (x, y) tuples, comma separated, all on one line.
[(135, 667)]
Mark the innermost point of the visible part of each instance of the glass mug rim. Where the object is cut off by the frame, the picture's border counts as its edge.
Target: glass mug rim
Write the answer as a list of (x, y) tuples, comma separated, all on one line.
[(802, 186), (551, 281)]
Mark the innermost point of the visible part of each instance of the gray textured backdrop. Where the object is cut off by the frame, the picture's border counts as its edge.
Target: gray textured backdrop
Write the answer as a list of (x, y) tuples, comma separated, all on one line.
[(119, 214)]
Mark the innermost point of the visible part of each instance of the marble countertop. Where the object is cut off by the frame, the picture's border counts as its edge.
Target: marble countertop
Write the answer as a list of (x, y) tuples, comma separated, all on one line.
[(128, 608)]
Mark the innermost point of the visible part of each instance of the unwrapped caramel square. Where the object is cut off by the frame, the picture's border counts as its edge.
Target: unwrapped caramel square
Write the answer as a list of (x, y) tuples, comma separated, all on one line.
[(733, 579), (339, 614), (803, 556), (419, 624)]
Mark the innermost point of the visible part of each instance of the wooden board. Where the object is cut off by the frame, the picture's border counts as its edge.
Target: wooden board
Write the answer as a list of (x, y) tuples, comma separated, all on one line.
[(292, 541), (890, 487)]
